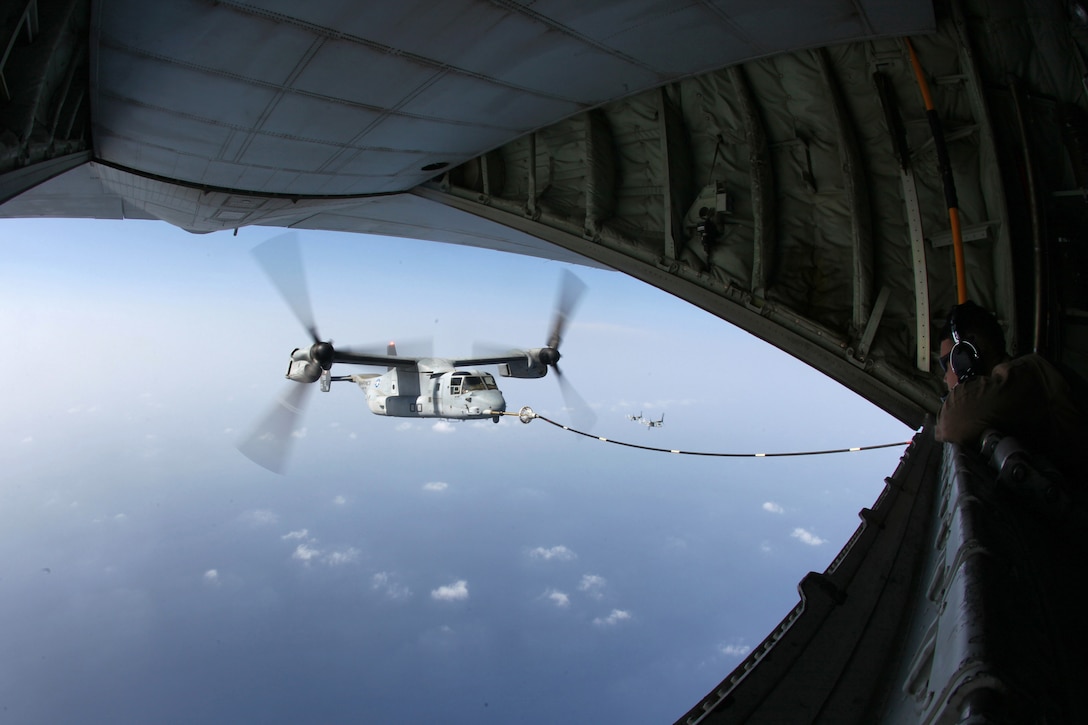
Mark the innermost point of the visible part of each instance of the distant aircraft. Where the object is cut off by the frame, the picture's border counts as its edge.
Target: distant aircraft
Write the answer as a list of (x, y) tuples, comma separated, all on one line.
[(635, 417), (654, 423), (410, 387)]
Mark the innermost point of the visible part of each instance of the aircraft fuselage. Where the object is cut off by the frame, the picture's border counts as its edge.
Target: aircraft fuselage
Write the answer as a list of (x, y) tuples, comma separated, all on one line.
[(431, 393)]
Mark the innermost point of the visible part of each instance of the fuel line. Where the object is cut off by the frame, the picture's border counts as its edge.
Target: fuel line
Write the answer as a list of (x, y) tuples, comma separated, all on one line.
[(527, 415)]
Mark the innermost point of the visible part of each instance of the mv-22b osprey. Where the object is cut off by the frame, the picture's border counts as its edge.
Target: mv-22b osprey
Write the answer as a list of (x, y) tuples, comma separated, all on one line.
[(409, 387)]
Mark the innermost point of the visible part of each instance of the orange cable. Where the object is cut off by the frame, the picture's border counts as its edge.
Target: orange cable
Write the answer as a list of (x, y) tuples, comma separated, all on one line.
[(946, 173)]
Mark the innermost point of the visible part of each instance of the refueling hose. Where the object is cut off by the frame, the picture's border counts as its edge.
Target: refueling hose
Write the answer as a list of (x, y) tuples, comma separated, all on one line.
[(527, 415)]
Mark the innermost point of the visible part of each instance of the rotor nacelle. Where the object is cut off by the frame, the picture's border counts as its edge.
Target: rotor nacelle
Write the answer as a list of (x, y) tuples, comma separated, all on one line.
[(534, 365), (307, 363)]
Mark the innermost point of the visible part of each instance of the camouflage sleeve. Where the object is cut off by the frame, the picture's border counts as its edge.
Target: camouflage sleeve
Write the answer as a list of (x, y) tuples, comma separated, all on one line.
[(999, 400)]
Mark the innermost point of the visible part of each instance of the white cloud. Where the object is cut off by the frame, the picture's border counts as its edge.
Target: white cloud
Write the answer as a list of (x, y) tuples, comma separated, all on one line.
[(388, 585), (807, 537), (614, 618), (735, 650), (772, 507), (443, 426), (435, 486), (27, 441), (559, 553), (403, 426), (557, 598), (456, 592), (305, 553), (259, 517), (592, 585), (300, 433), (211, 576), (339, 501), (344, 556)]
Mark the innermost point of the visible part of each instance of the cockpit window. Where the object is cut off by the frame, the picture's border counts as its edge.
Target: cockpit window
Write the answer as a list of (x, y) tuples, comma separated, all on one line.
[(460, 384)]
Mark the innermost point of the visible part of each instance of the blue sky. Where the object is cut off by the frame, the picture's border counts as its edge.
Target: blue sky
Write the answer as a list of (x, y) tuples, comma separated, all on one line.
[(399, 570)]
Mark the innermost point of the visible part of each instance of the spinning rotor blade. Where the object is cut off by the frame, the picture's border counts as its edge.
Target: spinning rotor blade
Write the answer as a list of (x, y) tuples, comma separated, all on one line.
[(571, 290), (581, 412), (413, 347), (270, 442), (281, 261), (570, 293)]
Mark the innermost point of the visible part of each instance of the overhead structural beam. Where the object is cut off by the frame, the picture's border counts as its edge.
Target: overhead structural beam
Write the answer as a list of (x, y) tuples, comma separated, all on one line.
[(855, 187), (666, 173), (530, 201), (589, 149), (1039, 257), (893, 119), (28, 21), (485, 176), (61, 102), (866, 340), (600, 172), (761, 182)]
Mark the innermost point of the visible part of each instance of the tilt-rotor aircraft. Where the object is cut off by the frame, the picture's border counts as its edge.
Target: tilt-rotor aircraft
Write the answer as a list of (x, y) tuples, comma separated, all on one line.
[(410, 386)]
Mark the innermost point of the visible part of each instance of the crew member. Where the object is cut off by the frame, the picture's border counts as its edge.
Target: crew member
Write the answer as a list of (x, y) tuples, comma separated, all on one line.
[(1024, 397)]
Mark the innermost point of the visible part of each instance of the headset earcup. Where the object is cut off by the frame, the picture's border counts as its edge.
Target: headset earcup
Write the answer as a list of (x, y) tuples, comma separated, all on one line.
[(963, 359)]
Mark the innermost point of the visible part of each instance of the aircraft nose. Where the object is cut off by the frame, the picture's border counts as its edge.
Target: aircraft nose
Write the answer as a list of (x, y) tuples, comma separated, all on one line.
[(492, 400)]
